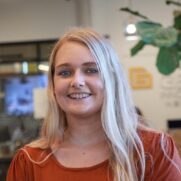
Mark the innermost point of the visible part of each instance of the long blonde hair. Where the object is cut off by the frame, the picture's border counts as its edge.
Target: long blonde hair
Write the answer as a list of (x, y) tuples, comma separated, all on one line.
[(118, 116)]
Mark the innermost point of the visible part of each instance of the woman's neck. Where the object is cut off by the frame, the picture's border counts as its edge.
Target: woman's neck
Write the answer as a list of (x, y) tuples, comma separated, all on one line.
[(84, 132)]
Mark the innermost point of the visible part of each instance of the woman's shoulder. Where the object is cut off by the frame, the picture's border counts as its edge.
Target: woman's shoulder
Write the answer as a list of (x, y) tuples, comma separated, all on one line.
[(35, 150), (162, 157), (24, 161), (28, 153), (153, 139), (160, 146), (149, 133)]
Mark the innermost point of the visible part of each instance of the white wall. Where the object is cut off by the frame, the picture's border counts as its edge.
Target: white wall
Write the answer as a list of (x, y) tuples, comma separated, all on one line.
[(44, 19), (35, 19)]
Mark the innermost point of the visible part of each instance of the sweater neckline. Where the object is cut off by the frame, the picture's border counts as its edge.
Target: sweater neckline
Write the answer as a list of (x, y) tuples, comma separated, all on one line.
[(92, 167)]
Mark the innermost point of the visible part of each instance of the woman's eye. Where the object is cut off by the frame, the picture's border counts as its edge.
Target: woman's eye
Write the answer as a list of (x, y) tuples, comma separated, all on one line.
[(91, 70), (65, 73)]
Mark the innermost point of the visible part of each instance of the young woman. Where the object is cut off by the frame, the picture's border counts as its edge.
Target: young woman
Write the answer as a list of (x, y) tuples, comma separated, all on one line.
[(91, 131)]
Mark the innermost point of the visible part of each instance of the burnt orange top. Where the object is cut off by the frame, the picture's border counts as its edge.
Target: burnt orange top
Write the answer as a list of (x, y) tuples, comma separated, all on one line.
[(158, 166)]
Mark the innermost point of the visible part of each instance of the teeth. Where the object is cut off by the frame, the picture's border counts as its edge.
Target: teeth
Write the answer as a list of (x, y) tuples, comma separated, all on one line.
[(79, 95)]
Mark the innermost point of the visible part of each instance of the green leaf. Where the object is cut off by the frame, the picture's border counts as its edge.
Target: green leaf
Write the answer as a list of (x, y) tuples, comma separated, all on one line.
[(167, 60), (177, 22), (147, 30), (165, 37), (156, 35), (137, 47)]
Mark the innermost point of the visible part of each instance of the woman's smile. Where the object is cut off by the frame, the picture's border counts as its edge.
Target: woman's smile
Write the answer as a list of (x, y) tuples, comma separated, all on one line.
[(80, 95)]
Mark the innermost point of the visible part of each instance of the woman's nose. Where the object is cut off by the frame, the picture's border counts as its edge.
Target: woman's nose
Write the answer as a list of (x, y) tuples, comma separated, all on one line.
[(78, 80)]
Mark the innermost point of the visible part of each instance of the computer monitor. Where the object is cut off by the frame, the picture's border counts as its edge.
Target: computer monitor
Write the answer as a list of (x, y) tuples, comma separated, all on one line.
[(18, 100)]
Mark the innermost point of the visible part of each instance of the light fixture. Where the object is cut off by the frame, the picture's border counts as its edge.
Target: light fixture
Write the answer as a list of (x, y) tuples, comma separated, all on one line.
[(25, 67), (43, 67), (131, 29), (131, 32)]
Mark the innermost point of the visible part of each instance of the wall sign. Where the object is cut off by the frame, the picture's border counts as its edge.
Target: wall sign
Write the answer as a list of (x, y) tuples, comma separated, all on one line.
[(140, 78)]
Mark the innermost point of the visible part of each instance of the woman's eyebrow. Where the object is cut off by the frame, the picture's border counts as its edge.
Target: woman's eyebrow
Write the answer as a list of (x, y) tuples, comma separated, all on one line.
[(91, 63), (62, 65)]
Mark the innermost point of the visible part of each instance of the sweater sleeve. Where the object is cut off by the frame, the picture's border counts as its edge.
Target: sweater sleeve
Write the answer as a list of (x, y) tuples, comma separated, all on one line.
[(166, 160), (18, 168)]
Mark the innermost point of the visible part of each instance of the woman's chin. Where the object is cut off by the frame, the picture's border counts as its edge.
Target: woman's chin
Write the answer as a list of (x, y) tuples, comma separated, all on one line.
[(82, 112)]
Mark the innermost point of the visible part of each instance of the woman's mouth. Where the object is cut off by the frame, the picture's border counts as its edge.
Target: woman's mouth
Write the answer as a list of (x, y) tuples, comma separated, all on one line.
[(79, 95)]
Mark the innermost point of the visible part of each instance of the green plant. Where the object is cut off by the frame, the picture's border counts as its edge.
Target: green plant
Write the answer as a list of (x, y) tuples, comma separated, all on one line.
[(167, 39)]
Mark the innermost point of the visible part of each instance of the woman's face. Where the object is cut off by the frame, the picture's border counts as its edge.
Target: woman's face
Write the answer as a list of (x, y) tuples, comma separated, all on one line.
[(77, 84)]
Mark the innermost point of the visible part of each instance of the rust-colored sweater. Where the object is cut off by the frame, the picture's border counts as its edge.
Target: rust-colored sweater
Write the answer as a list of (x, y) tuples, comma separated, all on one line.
[(158, 166)]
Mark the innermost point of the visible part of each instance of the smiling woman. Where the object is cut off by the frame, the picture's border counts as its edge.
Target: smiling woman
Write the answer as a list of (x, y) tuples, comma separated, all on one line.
[(91, 131), (77, 84)]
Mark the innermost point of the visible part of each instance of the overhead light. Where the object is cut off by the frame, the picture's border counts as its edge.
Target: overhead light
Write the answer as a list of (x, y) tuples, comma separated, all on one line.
[(131, 32), (131, 29), (25, 67), (43, 67)]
